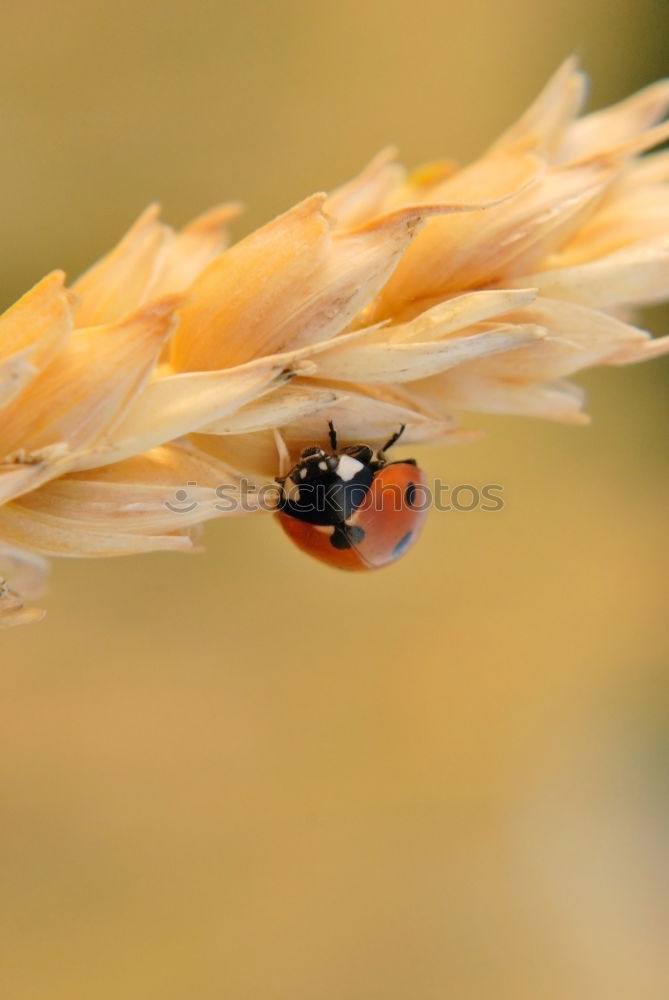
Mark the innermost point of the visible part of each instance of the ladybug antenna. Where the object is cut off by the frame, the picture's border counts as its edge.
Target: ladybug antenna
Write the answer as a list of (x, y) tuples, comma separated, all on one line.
[(394, 439), (333, 436)]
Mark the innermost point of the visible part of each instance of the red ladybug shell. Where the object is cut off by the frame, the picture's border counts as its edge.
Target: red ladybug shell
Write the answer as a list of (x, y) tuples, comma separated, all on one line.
[(391, 517)]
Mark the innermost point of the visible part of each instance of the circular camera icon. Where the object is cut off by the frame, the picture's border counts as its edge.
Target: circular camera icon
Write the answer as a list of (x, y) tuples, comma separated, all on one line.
[(183, 504)]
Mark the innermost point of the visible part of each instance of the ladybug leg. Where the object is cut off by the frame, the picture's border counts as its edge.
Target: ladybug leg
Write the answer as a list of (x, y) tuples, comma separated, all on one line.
[(346, 536), (333, 436), (394, 439), (284, 457)]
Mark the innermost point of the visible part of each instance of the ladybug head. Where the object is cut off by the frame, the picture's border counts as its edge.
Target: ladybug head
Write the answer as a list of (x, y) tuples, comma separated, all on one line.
[(314, 463)]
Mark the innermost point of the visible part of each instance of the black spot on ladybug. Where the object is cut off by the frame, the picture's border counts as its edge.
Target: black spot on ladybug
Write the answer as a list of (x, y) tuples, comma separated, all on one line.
[(345, 535), (410, 495), (403, 544)]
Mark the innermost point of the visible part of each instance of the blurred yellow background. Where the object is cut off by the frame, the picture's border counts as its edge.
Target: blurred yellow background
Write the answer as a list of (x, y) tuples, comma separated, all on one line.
[(240, 775)]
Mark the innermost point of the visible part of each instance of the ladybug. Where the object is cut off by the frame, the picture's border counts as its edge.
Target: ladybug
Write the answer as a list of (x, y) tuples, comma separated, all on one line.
[(350, 507)]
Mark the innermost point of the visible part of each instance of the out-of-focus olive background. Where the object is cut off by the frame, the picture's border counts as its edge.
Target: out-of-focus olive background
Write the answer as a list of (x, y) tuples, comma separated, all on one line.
[(242, 775)]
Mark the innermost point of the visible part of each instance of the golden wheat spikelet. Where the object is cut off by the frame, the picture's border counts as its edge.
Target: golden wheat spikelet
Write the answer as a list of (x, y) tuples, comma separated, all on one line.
[(398, 298)]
